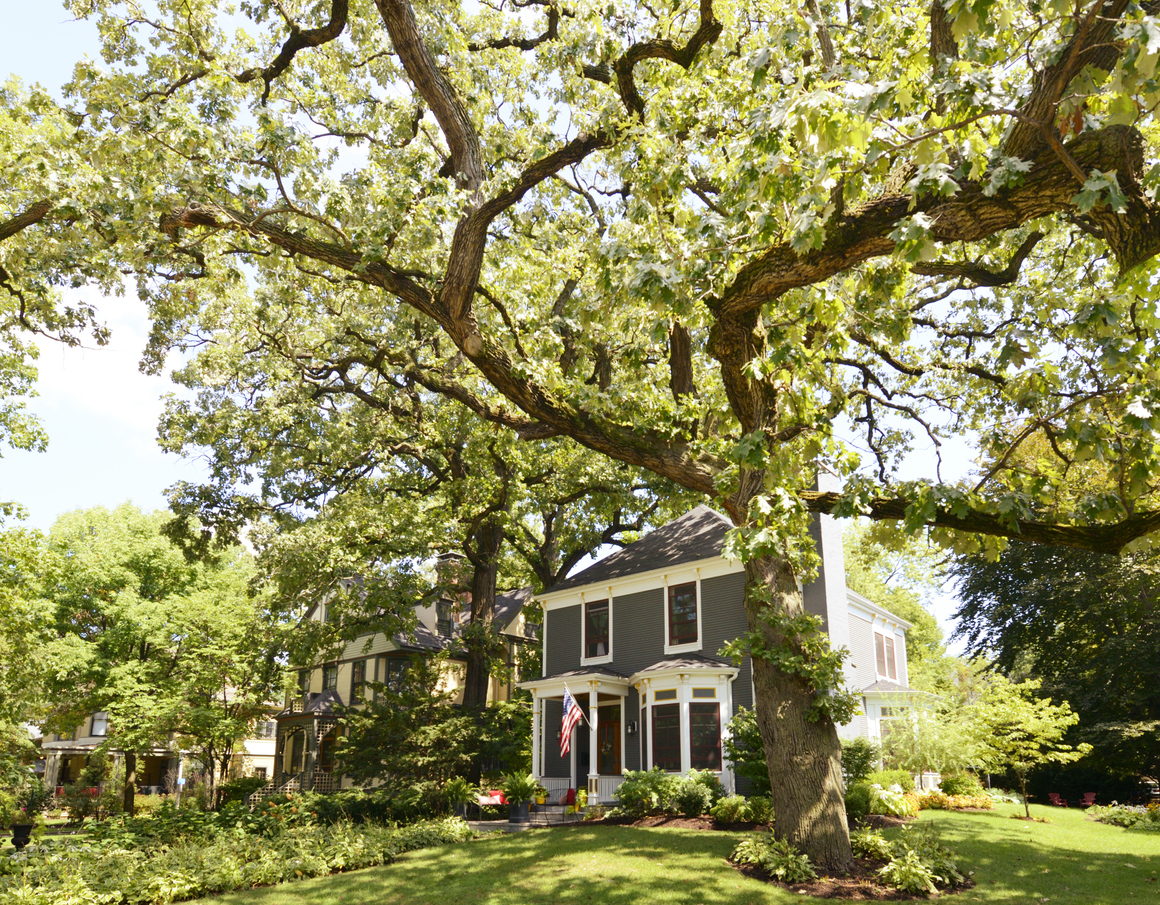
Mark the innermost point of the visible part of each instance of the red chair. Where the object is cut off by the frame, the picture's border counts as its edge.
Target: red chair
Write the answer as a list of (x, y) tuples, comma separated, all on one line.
[(1089, 798), (1054, 798)]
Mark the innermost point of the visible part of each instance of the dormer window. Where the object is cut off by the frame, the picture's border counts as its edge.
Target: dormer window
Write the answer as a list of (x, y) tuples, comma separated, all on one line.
[(443, 618), (597, 630), (884, 652)]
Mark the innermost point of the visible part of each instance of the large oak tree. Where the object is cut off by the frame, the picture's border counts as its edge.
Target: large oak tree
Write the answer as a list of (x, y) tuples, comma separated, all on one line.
[(732, 243)]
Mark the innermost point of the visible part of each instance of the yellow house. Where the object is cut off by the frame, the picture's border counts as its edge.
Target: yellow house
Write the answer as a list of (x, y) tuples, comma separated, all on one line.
[(308, 727)]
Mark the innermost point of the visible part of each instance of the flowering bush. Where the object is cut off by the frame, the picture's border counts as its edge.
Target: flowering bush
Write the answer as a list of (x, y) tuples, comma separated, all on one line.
[(940, 801)]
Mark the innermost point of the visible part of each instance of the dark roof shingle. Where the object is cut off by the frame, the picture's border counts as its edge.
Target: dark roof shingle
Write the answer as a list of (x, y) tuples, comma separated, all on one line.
[(696, 535)]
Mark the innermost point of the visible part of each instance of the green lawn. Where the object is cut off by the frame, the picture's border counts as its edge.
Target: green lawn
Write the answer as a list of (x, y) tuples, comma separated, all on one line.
[(1067, 860)]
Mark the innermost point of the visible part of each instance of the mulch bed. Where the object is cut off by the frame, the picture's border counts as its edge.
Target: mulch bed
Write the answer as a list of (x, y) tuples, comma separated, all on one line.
[(861, 885)]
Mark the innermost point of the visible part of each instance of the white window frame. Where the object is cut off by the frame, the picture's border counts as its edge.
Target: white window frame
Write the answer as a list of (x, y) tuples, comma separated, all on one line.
[(693, 645), (604, 658), (887, 656)]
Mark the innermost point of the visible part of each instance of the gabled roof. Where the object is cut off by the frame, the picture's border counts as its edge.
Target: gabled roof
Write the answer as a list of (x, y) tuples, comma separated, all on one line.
[(508, 606), (697, 535)]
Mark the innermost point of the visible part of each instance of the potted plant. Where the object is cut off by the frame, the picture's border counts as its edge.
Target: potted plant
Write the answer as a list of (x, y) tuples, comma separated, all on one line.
[(459, 794), (541, 794), (518, 789), (12, 815)]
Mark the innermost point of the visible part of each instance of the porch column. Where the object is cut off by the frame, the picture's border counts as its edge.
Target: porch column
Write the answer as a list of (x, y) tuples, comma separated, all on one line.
[(593, 744), (537, 768), (308, 758), (623, 731), (51, 770), (683, 695)]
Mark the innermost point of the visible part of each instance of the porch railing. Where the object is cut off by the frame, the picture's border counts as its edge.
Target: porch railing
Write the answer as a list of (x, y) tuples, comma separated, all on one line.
[(608, 785)]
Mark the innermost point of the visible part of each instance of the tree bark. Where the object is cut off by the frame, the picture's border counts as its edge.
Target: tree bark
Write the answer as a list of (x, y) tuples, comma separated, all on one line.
[(804, 755), (128, 802), (484, 556)]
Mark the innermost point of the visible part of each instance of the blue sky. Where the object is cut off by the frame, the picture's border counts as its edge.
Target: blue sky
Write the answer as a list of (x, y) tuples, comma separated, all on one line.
[(99, 410)]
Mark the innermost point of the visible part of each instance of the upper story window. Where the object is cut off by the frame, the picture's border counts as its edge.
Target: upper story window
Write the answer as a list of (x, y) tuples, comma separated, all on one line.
[(358, 680), (266, 729), (395, 672), (100, 723), (330, 677), (597, 629), (303, 681), (682, 614), (443, 618), (884, 653)]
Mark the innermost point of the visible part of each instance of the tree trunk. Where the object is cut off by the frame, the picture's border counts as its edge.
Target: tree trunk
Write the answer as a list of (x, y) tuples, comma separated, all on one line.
[(479, 640), (804, 755), (128, 802)]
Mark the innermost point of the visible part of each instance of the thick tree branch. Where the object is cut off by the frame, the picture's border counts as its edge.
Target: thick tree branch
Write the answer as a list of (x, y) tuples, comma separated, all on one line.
[(438, 93), (707, 32), (35, 212), (298, 40), (551, 33), (1106, 538), (977, 273), (1049, 187)]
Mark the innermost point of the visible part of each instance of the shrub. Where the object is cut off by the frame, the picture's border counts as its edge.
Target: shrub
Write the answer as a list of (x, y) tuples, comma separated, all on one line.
[(961, 784), (934, 801), (709, 780), (868, 843), (144, 805), (105, 874), (891, 801), (644, 793), (860, 757), (780, 858), (761, 809), (918, 863), (1129, 816), (239, 789), (858, 800), (888, 778), (692, 798), (733, 809), (907, 872), (744, 748)]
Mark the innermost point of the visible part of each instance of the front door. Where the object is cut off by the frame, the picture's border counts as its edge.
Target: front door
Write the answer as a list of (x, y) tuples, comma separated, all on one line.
[(608, 740)]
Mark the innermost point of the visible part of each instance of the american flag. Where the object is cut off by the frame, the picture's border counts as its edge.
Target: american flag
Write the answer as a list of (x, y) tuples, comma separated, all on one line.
[(572, 715)]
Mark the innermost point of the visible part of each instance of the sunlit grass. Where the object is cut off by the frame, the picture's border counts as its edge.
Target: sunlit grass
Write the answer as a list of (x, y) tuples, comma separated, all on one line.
[(1069, 859)]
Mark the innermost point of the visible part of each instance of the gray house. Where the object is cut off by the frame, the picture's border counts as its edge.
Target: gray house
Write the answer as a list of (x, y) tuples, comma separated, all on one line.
[(634, 638)]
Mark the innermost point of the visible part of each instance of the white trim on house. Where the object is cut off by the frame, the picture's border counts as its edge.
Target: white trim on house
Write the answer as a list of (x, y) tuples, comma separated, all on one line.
[(643, 581)]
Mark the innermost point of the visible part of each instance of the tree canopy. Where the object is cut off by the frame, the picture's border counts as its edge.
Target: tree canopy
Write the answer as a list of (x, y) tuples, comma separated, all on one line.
[(165, 647), (727, 242), (1085, 625)]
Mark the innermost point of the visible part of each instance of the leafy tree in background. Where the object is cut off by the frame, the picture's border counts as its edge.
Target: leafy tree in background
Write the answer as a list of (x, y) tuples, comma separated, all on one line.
[(412, 739), (161, 644), (899, 572), (1017, 730), (928, 741), (711, 241), (1083, 624)]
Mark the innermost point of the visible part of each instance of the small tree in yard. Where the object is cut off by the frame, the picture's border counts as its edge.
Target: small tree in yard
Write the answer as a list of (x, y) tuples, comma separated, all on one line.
[(1016, 730), (926, 741)]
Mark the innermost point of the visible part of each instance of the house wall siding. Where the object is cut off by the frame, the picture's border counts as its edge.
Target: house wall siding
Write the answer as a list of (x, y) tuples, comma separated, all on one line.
[(562, 638), (554, 765), (637, 631), (862, 652), (723, 619)]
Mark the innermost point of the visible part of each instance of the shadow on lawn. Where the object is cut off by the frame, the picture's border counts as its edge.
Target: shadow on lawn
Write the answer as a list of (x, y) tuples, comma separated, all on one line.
[(1036, 860)]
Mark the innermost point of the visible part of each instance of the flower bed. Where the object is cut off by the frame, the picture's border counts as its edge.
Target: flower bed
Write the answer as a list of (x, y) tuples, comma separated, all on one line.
[(110, 872), (1134, 817)]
